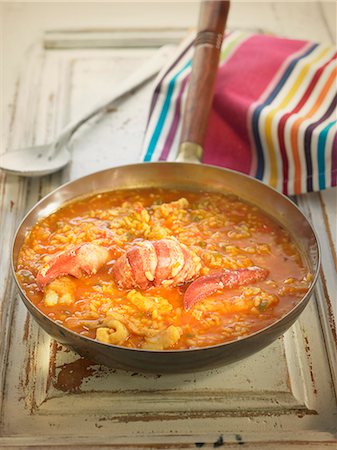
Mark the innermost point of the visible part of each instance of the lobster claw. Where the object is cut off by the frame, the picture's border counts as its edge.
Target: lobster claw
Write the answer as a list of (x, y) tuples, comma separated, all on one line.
[(205, 286), (85, 259)]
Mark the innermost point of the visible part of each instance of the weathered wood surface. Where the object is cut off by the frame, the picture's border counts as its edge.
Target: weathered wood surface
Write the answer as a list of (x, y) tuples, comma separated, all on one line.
[(282, 397)]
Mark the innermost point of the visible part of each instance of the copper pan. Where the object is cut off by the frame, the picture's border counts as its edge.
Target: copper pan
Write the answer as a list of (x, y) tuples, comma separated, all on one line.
[(186, 176), (190, 176)]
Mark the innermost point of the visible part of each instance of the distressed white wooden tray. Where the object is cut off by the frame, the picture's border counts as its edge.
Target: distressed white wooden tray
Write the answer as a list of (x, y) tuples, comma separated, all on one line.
[(282, 397)]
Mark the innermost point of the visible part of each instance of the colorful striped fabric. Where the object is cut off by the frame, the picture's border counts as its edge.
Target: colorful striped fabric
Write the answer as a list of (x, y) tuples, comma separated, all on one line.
[(274, 113)]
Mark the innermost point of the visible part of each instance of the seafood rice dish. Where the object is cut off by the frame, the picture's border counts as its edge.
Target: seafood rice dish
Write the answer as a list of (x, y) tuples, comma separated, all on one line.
[(160, 269)]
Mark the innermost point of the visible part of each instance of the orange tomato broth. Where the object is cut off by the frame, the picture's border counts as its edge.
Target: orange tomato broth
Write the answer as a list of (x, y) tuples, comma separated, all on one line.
[(211, 321)]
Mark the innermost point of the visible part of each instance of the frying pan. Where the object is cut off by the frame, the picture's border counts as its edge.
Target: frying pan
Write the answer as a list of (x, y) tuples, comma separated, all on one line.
[(190, 176)]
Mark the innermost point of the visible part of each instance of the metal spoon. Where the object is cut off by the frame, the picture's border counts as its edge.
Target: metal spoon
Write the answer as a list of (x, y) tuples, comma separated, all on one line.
[(44, 159)]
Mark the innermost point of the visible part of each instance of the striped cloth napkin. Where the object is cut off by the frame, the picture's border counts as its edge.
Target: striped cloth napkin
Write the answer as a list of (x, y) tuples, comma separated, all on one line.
[(273, 115)]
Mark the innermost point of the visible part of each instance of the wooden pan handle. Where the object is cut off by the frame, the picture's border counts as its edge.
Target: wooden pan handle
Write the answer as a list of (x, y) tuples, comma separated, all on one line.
[(212, 21)]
